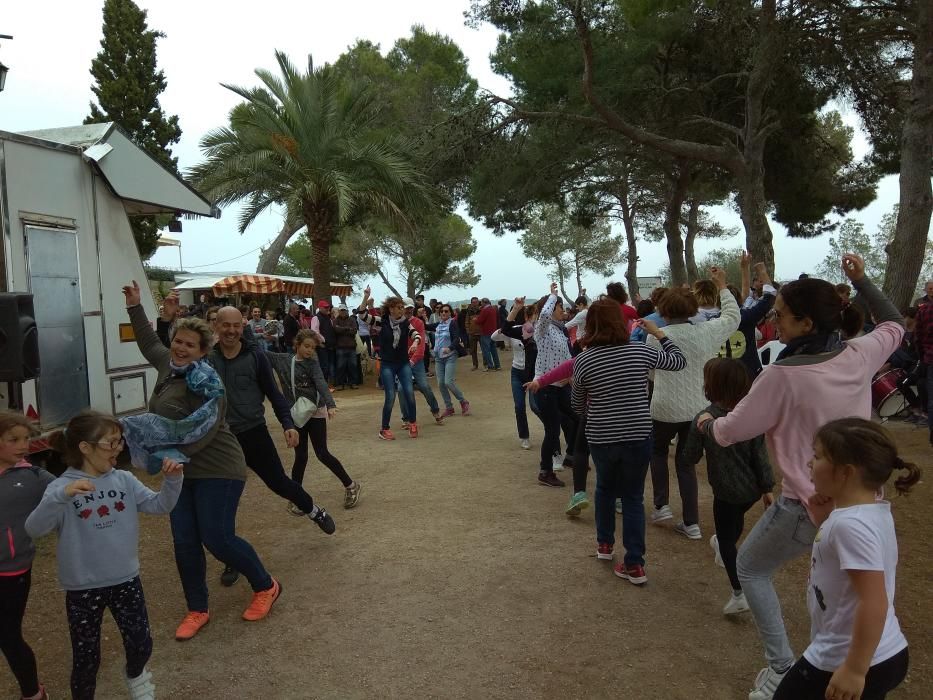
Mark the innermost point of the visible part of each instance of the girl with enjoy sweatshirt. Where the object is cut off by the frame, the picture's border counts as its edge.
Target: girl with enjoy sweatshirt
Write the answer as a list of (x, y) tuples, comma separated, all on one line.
[(21, 489), (95, 509), (816, 379)]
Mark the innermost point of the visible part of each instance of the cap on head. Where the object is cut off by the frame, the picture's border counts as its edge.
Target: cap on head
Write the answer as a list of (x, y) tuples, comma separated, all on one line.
[(322, 304), (409, 304), (342, 307)]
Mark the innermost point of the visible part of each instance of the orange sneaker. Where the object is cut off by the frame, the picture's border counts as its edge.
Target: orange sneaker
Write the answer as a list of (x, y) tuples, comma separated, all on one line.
[(191, 625), (262, 602), (386, 434), (413, 430)]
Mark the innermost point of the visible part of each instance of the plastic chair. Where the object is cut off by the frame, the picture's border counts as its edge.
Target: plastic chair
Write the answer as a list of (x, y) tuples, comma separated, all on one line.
[(768, 352)]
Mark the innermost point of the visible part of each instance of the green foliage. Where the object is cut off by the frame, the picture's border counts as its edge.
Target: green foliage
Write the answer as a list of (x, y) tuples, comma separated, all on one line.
[(853, 238), (160, 274), (570, 250), (348, 262), (127, 87), (729, 259), (309, 141)]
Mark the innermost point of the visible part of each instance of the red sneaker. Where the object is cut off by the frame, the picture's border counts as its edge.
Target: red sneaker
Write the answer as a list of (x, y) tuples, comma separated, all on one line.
[(413, 430), (634, 573), (604, 551), (262, 602), (448, 412), (465, 408), (191, 625), (386, 435)]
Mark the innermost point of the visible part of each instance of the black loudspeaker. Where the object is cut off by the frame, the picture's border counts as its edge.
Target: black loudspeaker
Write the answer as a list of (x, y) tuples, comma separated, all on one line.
[(19, 338)]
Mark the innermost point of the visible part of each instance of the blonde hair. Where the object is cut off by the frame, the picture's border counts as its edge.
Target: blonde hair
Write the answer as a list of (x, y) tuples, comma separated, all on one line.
[(199, 326)]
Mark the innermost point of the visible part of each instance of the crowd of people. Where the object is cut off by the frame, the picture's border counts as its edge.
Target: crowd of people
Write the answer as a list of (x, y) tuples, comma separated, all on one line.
[(612, 382)]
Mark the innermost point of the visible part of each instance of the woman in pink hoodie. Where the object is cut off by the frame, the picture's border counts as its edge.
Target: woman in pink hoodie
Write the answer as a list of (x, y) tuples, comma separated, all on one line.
[(817, 378)]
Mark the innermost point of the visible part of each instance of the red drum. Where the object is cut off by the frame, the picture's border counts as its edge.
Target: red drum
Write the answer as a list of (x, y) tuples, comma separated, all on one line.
[(886, 398)]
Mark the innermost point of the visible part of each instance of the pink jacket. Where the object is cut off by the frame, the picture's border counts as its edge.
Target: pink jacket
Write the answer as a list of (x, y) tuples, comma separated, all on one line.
[(789, 402), (418, 354), (559, 375)]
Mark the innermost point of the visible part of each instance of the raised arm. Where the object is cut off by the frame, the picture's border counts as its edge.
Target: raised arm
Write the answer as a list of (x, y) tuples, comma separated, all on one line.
[(147, 340), (547, 313)]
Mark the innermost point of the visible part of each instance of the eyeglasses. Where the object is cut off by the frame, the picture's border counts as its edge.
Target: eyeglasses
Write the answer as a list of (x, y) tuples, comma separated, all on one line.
[(778, 315), (113, 444)]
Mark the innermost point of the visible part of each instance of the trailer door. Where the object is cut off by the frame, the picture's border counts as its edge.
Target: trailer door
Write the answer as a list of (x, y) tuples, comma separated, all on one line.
[(52, 259)]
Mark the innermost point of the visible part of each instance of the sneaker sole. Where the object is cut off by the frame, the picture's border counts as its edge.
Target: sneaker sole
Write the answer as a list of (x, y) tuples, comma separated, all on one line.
[(383, 437), (603, 557), (660, 519), (636, 580), (735, 612), (688, 535), (553, 486), (575, 510)]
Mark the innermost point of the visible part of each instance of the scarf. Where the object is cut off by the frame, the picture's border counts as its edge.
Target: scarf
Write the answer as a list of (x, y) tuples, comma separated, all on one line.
[(151, 438), (813, 344), (396, 326)]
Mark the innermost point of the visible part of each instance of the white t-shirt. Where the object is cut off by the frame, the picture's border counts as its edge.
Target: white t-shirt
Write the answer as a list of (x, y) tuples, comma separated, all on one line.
[(859, 538), (518, 349)]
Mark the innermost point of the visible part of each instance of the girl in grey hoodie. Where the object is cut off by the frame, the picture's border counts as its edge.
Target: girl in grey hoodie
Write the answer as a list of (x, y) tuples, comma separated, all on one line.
[(21, 489), (95, 509)]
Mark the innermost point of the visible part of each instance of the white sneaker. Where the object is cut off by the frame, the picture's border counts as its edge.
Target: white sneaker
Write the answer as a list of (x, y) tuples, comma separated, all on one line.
[(766, 684), (619, 506), (525, 444), (714, 543), (690, 531), (736, 605), (661, 514), (558, 462), (141, 687)]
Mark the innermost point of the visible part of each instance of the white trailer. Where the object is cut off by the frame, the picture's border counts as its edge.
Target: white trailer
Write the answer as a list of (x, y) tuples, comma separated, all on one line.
[(65, 198)]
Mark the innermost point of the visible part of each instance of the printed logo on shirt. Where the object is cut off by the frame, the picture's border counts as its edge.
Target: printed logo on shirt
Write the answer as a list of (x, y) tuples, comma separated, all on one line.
[(104, 504), (735, 347)]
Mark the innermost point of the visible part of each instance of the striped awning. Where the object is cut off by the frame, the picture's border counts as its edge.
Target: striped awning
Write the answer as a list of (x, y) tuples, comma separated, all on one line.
[(248, 284)]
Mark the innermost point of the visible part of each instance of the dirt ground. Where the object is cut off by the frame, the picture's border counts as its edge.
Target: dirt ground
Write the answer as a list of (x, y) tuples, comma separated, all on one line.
[(457, 576)]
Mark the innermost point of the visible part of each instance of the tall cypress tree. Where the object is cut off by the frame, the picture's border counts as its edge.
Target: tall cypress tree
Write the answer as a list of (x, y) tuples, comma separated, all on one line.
[(127, 88)]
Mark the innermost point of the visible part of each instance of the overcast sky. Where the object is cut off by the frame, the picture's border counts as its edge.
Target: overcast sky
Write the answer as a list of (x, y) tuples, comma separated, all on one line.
[(208, 42)]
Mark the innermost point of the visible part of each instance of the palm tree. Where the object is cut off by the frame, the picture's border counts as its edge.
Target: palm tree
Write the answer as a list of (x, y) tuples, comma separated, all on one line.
[(308, 143)]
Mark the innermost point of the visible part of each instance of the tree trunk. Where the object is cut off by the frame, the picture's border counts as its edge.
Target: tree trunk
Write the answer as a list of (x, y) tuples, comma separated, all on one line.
[(576, 265), (631, 242), (750, 178), (907, 249), (693, 225), (680, 183), (561, 277), (270, 256), (321, 233)]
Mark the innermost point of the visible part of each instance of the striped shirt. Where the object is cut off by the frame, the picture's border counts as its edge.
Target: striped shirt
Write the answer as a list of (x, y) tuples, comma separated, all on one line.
[(610, 382)]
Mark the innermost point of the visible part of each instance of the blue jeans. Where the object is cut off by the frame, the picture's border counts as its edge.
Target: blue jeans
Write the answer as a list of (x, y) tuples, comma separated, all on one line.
[(621, 468), (490, 354), (785, 532), (327, 358), (518, 398), (389, 373), (205, 516), (420, 376), (346, 367), (446, 376)]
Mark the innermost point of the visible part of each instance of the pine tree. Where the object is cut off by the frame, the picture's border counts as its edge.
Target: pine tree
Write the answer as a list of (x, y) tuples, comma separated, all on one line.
[(127, 89)]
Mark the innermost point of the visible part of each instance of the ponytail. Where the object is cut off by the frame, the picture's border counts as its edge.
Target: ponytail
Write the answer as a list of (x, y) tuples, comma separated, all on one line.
[(904, 484)]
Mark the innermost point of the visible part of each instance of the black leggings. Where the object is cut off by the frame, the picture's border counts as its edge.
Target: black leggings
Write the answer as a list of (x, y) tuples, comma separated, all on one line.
[(805, 681), (85, 615), (730, 521), (555, 414), (581, 457), (14, 592), (316, 429), (263, 458), (664, 433)]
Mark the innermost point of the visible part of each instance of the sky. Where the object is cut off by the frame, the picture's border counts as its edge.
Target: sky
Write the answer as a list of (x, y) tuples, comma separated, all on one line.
[(208, 42)]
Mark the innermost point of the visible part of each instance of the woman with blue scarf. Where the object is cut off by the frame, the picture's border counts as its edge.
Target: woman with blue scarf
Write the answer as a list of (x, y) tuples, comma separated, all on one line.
[(188, 406)]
